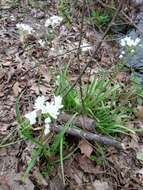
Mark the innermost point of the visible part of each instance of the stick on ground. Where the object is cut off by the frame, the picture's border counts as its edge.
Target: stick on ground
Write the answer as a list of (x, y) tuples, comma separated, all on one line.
[(90, 136)]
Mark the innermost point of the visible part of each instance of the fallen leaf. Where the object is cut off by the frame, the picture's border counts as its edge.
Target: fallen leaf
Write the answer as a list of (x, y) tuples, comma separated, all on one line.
[(16, 89), (140, 171), (6, 63), (85, 148), (101, 185), (45, 73), (139, 113)]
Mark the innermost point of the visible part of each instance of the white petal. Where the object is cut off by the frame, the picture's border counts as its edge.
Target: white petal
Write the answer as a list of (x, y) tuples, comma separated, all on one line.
[(132, 50), (48, 120), (137, 40), (123, 42), (121, 56), (58, 102), (31, 117), (122, 52), (53, 21), (25, 27), (39, 103), (47, 129)]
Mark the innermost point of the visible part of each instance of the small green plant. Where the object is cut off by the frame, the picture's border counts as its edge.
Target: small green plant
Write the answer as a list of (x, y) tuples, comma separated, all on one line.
[(64, 11), (100, 19), (102, 103), (43, 149)]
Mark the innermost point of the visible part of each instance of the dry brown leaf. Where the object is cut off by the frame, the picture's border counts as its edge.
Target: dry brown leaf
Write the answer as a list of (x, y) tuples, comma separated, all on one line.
[(139, 113), (85, 148), (98, 185), (6, 63), (121, 77), (16, 89), (43, 70), (45, 90)]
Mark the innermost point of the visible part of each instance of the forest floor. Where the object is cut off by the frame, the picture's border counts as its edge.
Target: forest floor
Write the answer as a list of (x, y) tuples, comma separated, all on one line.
[(28, 69)]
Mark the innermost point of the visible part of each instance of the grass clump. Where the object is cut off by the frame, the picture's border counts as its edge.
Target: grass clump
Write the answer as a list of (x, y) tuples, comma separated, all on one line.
[(104, 101)]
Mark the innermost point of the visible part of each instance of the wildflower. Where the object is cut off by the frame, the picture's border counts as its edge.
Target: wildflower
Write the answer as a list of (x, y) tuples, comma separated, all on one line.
[(132, 51), (31, 117), (47, 125), (40, 104), (24, 28), (53, 108), (41, 42), (127, 41), (121, 55), (53, 21), (58, 101)]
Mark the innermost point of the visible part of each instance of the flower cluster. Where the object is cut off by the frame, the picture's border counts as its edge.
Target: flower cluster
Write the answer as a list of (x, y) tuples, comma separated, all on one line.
[(25, 28), (24, 31), (129, 44), (122, 54), (50, 109), (53, 21), (128, 41)]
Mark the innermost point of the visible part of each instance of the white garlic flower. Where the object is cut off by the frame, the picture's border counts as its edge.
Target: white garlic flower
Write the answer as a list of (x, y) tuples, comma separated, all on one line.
[(53, 108), (53, 21), (44, 107), (31, 117), (122, 54), (24, 28), (128, 41), (40, 103)]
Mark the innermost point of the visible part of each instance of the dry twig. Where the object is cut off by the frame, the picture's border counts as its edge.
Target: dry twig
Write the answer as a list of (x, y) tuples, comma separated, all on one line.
[(90, 136)]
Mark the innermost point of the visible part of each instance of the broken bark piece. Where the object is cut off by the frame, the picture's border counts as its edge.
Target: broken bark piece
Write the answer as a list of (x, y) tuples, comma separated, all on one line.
[(83, 122), (90, 136)]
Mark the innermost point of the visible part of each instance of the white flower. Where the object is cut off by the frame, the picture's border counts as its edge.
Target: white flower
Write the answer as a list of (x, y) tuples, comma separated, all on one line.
[(31, 117), (53, 21), (121, 56), (136, 41), (85, 47), (47, 125), (40, 104), (58, 102), (25, 28), (41, 42), (123, 42), (123, 52), (127, 41), (132, 51), (53, 108)]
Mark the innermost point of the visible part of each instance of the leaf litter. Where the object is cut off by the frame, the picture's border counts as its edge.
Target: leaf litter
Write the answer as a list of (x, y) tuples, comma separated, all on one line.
[(27, 72)]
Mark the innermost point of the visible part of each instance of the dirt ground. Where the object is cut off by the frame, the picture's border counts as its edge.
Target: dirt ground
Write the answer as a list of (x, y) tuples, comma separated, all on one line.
[(21, 67)]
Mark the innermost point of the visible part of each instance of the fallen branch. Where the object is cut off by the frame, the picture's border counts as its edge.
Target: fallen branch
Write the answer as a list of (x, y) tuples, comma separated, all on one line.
[(90, 136)]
